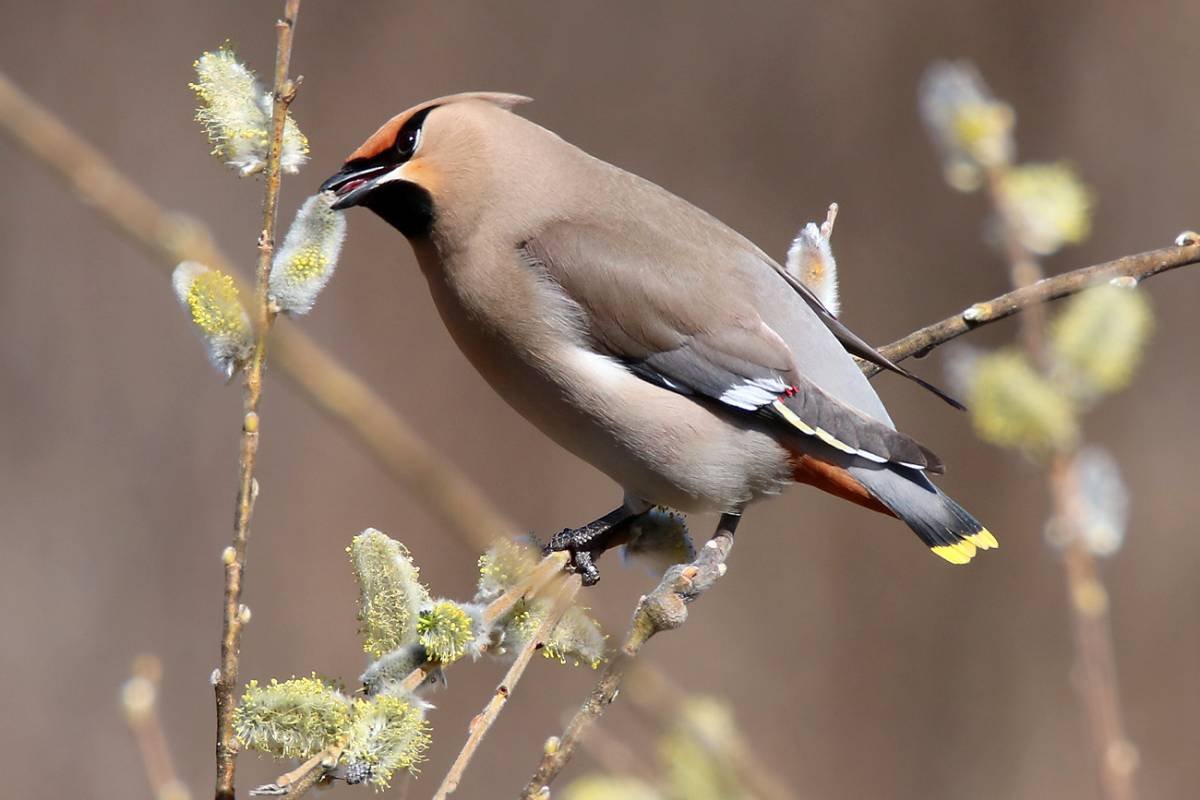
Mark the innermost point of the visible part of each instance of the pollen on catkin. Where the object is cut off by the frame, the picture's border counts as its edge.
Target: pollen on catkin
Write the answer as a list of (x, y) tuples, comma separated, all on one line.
[(387, 733), (1099, 337), (504, 564), (391, 593), (1049, 205), (291, 719), (305, 262), (236, 113), (972, 130), (1013, 405), (446, 629), (211, 301), (576, 639)]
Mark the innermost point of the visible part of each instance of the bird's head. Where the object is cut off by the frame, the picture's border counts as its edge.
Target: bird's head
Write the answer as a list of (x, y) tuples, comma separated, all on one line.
[(422, 162)]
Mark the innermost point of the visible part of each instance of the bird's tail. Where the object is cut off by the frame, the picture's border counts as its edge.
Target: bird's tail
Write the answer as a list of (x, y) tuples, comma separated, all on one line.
[(943, 525)]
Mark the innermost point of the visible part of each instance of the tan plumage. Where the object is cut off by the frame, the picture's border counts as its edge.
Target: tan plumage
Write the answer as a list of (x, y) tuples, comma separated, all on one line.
[(633, 328)]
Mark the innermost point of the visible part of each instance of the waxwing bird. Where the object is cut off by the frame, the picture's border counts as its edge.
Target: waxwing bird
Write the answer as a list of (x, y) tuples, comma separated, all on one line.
[(637, 331)]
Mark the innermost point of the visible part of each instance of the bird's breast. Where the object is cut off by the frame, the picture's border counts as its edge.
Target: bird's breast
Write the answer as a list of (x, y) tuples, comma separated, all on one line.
[(524, 340)]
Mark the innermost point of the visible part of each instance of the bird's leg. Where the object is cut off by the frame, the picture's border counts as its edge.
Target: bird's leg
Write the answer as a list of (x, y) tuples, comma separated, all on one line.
[(587, 543)]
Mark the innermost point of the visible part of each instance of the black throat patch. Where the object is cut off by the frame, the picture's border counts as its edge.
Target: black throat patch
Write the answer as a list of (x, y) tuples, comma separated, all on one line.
[(405, 206)]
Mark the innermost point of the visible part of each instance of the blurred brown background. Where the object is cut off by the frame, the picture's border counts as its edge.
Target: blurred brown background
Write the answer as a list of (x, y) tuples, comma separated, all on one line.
[(857, 664)]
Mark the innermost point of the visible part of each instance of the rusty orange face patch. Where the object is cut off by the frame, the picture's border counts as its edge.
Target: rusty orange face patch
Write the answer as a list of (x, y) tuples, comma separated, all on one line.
[(385, 137)]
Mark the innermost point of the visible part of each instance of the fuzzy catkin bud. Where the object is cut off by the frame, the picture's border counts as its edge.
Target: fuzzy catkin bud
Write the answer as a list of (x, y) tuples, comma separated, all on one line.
[(660, 540), (1103, 499), (972, 130), (211, 300), (392, 668), (576, 638), (292, 719), (308, 256), (1098, 339), (1012, 405), (697, 752), (1050, 206), (810, 260), (504, 564), (387, 733), (448, 629), (236, 113), (392, 594), (610, 787)]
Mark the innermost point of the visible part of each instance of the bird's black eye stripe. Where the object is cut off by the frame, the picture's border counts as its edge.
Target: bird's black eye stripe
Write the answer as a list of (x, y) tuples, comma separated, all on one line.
[(410, 135)]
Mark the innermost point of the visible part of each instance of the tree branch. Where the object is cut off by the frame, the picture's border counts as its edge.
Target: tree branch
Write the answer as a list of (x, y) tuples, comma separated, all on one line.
[(1114, 755), (139, 701), (235, 556), (664, 608), (1138, 267), (483, 722)]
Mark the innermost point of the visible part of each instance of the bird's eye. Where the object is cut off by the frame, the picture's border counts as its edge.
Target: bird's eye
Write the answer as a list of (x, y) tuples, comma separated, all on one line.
[(407, 141)]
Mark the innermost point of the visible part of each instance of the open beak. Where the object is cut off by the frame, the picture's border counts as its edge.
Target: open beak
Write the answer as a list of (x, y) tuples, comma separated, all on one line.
[(352, 184)]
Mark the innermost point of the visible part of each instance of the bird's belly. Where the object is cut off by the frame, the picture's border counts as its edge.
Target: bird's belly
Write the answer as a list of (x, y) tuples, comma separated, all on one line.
[(660, 446)]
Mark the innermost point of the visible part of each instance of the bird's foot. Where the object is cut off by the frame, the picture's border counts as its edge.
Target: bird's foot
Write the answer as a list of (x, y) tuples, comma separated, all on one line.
[(587, 543)]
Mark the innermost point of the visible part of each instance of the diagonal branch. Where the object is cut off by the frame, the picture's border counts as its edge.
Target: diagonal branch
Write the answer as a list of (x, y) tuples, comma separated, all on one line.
[(662, 609), (482, 723), (1138, 267), (1114, 754), (284, 92)]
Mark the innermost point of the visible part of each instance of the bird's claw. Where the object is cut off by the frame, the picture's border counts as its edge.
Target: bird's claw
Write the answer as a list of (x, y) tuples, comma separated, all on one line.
[(575, 542)]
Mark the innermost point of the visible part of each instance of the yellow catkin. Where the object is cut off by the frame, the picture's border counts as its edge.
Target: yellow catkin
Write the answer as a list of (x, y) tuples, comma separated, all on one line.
[(214, 306)]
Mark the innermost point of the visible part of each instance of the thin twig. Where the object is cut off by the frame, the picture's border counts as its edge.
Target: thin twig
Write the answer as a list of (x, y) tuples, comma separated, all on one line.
[(235, 562), (664, 608), (1139, 267), (1114, 754), (304, 777), (483, 722), (529, 586), (139, 701)]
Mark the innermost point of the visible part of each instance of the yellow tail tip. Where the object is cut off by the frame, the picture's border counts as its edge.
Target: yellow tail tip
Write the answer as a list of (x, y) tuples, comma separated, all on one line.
[(984, 540), (958, 553), (963, 551)]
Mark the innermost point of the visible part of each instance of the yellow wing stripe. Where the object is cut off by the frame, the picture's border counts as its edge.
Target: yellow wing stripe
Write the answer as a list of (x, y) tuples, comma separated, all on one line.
[(822, 434), (791, 417)]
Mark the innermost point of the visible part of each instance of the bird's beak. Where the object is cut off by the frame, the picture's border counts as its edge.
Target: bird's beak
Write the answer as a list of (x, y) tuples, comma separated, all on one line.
[(352, 184)]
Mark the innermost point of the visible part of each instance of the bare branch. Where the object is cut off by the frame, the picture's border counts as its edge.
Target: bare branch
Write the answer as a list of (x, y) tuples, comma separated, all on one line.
[(139, 701), (302, 778), (664, 608), (483, 722), (529, 586), (1138, 267), (235, 562), (1114, 754)]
